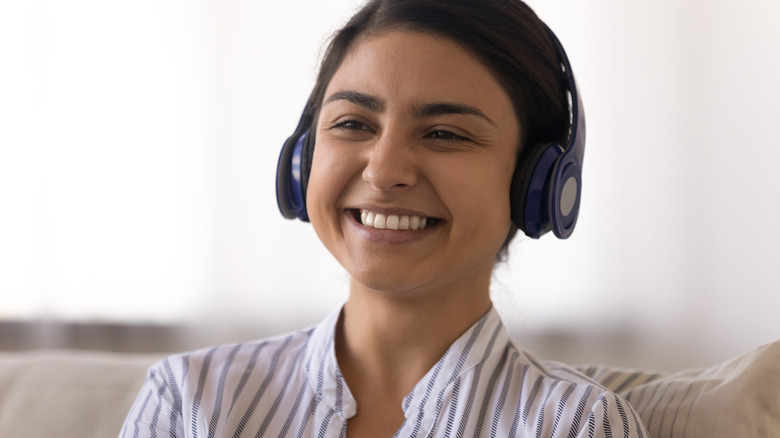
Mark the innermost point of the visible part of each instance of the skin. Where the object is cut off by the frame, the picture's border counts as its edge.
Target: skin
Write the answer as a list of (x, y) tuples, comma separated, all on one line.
[(386, 144)]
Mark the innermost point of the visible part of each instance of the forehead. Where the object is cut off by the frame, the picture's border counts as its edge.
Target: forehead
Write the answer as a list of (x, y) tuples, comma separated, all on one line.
[(415, 67)]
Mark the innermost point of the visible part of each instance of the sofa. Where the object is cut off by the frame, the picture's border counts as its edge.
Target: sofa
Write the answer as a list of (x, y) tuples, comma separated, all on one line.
[(83, 394)]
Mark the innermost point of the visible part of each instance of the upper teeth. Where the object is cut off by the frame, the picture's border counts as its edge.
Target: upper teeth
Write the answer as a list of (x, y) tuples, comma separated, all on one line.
[(392, 221)]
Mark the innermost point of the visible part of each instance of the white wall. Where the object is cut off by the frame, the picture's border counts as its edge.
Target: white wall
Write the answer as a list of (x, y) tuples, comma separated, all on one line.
[(138, 146)]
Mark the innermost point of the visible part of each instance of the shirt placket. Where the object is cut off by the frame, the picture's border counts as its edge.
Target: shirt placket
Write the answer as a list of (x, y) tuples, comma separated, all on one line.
[(328, 423)]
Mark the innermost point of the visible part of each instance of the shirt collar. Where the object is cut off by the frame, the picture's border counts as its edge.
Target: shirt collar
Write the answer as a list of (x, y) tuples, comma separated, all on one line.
[(481, 345)]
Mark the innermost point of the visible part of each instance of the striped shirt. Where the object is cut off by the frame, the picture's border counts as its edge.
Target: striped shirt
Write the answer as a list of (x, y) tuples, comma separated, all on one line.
[(291, 386)]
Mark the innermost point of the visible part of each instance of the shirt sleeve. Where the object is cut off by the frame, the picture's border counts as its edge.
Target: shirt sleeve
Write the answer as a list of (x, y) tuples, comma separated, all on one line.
[(612, 416), (156, 411)]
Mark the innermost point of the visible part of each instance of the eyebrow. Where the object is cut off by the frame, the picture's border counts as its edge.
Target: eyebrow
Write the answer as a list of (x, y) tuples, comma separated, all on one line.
[(376, 104), (443, 108), (365, 100)]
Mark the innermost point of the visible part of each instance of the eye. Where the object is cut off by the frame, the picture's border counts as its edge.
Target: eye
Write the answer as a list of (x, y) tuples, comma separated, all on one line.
[(441, 134), (350, 125)]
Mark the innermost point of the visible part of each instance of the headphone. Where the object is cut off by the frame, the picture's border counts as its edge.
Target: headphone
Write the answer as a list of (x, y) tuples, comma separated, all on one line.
[(546, 186)]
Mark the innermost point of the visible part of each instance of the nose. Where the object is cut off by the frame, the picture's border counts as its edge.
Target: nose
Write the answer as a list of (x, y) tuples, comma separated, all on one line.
[(390, 166)]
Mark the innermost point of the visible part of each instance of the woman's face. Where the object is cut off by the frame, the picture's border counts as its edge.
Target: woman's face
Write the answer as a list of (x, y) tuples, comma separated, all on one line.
[(416, 146)]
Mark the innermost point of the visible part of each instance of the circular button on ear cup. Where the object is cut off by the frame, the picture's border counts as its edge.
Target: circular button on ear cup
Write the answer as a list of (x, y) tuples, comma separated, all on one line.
[(565, 197), (569, 196)]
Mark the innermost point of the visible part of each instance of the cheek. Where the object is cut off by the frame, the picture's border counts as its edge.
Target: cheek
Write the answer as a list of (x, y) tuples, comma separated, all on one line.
[(318, 188), (479, 195), (327, 181)]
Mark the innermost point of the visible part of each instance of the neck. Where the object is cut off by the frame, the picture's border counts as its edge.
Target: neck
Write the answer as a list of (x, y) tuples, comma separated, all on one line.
[(391, 340)]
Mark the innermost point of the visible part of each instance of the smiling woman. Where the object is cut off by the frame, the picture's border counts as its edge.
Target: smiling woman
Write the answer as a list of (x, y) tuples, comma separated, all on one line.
[(431, 136), (408, 154)]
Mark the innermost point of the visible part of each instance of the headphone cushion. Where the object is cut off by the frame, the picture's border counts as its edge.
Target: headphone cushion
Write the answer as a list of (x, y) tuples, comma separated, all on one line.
[(523, 184), (307, 155)]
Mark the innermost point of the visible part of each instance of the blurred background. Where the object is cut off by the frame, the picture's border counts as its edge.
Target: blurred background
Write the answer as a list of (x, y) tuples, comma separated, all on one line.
[(138, 149)]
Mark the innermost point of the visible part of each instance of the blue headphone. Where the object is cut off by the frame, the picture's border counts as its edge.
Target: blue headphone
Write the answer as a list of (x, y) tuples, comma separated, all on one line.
[(546, 186)]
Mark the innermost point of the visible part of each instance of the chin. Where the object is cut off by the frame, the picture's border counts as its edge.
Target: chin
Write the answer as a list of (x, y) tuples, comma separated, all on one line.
[(387, 281), (396, 277), (420, 280)]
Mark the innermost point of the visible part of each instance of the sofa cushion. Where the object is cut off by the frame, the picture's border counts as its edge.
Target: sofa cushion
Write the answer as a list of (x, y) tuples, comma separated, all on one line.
[(739, 398), (81, 394), (68, 394)]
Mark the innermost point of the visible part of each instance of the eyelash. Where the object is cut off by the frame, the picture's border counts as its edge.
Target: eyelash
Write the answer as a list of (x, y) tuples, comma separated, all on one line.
[(351, 125), (438, 134), (448, 135)]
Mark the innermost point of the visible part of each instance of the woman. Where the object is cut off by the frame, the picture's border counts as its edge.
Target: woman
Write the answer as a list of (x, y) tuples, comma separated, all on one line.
[(409, 146)]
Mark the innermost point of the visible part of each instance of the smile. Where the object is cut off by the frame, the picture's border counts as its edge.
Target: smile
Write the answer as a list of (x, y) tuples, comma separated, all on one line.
[(382, 221)]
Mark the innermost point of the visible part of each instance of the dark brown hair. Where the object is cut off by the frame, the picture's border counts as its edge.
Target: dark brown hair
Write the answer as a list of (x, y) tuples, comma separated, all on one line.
[(506, 35)]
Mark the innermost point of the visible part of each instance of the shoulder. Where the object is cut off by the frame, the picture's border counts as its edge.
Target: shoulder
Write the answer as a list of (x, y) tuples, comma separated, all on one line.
[(204, 367), (203, 387), (557, 398)]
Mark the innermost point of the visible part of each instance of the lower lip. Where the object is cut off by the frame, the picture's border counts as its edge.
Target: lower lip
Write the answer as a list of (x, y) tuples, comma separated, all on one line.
[(395, 237)]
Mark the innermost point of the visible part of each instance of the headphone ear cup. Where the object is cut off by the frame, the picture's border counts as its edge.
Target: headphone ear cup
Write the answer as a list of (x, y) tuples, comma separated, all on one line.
[(293, 168), (290, 190), (530, 189)]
